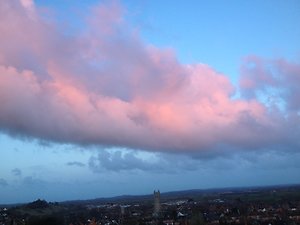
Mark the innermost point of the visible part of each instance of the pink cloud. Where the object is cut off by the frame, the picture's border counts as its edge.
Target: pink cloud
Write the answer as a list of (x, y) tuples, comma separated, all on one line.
[(107, 87), (279, 79)]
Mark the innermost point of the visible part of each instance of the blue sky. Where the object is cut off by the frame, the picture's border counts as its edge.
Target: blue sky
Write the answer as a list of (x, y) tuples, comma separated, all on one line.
[(221, 35)]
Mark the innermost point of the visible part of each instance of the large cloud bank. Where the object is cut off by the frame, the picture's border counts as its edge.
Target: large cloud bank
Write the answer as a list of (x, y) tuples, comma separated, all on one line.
[(102, 85)]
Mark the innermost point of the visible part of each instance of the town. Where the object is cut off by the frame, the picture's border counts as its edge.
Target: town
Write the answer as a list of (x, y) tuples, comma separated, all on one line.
[(255, 206)]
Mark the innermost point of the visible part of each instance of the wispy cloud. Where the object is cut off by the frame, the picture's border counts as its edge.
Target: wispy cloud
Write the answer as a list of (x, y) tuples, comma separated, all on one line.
[(106, 87)]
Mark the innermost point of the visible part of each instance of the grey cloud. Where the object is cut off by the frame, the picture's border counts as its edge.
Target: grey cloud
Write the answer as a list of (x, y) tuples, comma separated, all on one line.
[(273, 160), (124, 160), (129, 160), (117, 161)]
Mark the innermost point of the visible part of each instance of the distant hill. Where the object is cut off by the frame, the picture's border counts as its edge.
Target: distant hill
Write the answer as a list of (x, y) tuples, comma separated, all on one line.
[(38, 204), (184, 194), (166, 196)]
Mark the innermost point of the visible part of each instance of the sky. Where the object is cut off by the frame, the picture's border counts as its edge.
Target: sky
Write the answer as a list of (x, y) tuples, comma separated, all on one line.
[(106, 98)]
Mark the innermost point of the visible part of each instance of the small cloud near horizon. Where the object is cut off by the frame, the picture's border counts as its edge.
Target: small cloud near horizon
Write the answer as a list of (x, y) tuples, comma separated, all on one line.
[(16, 172), (75, 163)]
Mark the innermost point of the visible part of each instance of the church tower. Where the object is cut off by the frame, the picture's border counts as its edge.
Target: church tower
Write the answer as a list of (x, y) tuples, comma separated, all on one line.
[(156, 203)]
